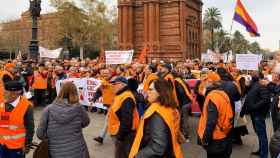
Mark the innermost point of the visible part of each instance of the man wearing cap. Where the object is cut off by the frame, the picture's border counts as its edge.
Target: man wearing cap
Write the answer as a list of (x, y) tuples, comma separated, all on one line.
[(123, 118), (5, 76), (16, 122)]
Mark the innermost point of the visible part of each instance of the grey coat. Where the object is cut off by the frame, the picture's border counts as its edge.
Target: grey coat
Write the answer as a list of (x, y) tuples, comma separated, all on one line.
[(62, 125)]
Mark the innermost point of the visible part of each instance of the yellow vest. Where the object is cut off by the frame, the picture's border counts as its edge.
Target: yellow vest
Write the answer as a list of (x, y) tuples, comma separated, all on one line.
[(107, 93), (151, 78), (171, 117), (225, 115), (185, 88), (113, 120)]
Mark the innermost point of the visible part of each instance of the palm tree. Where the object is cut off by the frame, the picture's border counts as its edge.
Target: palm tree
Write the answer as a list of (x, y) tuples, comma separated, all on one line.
[(212, 21)]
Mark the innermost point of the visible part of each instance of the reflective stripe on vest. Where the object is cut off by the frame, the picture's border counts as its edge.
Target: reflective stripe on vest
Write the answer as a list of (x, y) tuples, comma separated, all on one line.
[(13, 137), (11, 127), (12, 130), (172, 119)]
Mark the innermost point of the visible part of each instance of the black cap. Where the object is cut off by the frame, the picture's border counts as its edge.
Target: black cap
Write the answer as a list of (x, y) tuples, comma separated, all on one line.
[(120, 79), (168, 66), (13, 86)]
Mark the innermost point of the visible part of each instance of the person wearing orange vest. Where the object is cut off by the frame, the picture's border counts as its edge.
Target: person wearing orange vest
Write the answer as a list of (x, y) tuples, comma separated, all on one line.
[(185, 100), (123, 118), (16, 122), (40, 85), (107, 93), (157, 135), (165, 73), (6, 76), (215, 123), (150, 76)]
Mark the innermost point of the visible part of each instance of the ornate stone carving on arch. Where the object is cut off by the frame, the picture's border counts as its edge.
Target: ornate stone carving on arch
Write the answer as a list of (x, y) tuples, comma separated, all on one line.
[(192, 21)]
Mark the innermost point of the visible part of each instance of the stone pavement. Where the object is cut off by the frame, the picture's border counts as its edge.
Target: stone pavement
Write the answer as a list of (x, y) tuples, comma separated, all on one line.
[(191, 150)]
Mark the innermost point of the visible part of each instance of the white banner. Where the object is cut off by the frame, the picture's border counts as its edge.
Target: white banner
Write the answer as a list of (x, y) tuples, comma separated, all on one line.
[(211, 56), (86, 87), (118, 57), (247, 61), (52, 54)]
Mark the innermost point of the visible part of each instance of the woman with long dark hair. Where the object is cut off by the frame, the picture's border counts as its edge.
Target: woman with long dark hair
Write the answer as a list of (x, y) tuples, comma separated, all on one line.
[(159, 128)]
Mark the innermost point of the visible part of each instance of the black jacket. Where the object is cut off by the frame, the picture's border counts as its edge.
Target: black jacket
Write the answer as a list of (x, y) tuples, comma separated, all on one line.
[(213, 146), (257, 101), (181, 94), (275, 113), (156, 141), (275, 144), (231, 90), (125, 115)]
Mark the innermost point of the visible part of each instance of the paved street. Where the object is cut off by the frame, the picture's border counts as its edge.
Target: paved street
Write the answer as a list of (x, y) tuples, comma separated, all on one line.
[(191, 150)]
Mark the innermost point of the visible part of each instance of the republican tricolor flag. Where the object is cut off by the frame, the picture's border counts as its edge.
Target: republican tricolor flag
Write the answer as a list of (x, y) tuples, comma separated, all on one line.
[(241, 16)]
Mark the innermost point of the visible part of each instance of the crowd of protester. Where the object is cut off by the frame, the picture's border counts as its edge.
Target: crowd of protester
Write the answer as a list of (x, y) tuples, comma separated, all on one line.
[(149, 105)]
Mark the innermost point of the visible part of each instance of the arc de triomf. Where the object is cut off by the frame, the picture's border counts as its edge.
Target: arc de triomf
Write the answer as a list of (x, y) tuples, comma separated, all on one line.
[(168, 28)]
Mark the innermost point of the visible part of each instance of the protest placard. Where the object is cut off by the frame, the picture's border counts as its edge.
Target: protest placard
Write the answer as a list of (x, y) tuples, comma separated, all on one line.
[(86, 87), (211, 56), (247, 61), (118, 57), (52, 54)]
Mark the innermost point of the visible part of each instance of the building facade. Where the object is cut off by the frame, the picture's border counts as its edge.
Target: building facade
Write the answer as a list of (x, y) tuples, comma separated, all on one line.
[(168, 28), (17, 33)]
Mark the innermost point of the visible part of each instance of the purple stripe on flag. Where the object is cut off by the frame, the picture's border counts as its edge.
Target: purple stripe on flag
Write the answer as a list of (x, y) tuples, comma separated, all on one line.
[(240, 20)]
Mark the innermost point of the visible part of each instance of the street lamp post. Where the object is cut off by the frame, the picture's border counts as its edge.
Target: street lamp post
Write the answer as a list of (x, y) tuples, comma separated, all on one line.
[(34, 9)]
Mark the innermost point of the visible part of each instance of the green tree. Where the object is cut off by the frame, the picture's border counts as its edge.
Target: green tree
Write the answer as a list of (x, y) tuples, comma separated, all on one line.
[(255, 48), (91, 26), (239, 44), (222, 41), (212, 22)]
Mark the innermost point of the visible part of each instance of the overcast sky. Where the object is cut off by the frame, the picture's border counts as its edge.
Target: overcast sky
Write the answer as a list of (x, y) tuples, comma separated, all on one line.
[(265, 14)]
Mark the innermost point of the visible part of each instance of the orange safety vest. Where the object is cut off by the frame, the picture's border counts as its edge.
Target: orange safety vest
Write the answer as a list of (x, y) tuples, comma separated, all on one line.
[(12, 130), (201, 87), (188, 93), (39, 81), (107, 92), (113, 120), (151, 78), (170, 77), (2, 87), (225, 115), (171, 117)]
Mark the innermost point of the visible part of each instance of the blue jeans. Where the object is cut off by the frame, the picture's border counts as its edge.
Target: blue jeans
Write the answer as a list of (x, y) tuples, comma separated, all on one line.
[(8, 153), (260, 129)]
